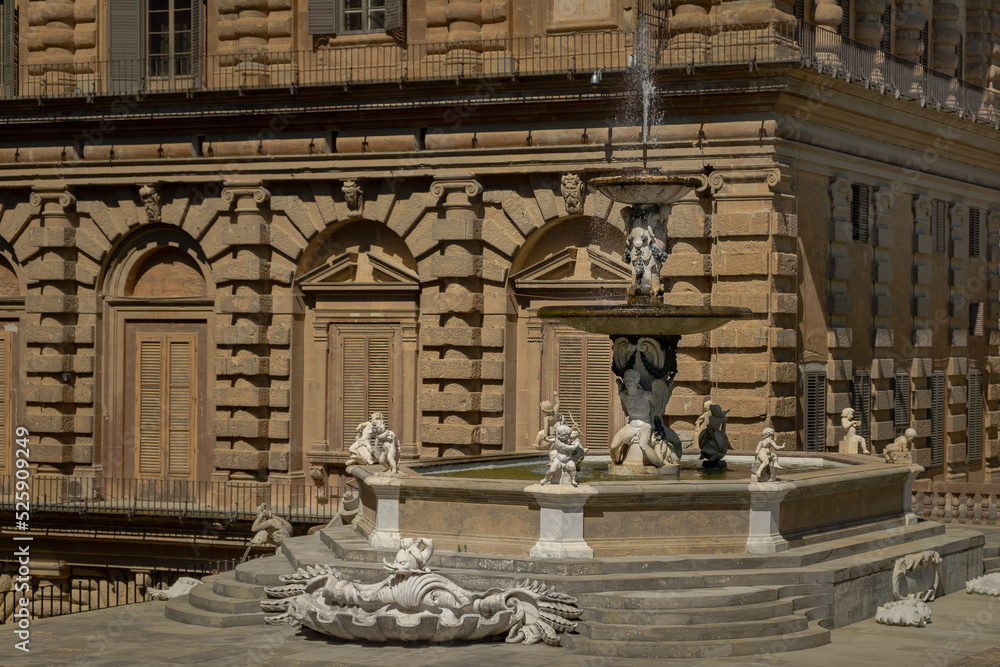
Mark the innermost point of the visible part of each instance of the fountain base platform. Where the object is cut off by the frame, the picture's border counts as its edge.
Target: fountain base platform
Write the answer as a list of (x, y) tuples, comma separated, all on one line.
[(668, 471)]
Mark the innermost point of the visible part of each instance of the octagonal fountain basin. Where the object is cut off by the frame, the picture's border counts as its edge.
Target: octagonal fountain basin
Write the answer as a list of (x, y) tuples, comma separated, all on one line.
[(644, 188), (838, 497), (652, 319)]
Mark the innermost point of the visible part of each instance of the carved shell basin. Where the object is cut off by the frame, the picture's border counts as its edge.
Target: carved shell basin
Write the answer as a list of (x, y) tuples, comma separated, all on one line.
[(644, 320), (644, 188), (388, 624)]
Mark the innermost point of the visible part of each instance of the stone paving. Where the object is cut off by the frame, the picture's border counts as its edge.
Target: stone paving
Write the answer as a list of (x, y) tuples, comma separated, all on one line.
[(963, 628)]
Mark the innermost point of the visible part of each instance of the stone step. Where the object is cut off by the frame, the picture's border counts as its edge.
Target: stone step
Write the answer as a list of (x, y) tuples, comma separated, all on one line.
[(779, 625), (225, 584), (681, 647), (263, 571), (180, 610), (690, 616), (203, 597), (991, 564), (692, 598), (346, 544)]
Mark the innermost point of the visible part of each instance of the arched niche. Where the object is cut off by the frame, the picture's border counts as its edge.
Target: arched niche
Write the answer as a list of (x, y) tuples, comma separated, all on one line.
[(360, 290), (158, 263), (574, 260), (158, 302)]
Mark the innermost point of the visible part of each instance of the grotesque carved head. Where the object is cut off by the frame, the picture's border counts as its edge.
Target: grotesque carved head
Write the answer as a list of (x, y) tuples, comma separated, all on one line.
[(353, 194)]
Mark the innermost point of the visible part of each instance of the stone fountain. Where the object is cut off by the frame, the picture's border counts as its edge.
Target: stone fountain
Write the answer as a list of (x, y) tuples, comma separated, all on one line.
[(645, 330)]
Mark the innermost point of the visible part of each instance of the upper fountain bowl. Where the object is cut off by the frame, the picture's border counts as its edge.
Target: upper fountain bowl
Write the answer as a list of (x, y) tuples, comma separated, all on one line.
[(644, 319), (644, 188)]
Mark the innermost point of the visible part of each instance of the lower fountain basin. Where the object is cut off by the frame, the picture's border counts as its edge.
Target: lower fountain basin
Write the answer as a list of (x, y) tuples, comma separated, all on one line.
[(644, 319), (639, 518)]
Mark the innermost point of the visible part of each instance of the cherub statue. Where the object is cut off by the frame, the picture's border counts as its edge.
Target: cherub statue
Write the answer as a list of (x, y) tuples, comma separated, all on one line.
[(766, 459), (645, 428), (375, 443), (852, 442), (702, 420), (412, 557), (712, 440), (550, 415), (901, 449), (565, 455), (270, 530), (645, 249)]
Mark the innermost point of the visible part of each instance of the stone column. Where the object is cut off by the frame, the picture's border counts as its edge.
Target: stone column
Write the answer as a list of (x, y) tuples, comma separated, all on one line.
[(978, 48), (251, 424), (946, 36), (690, 32), (921, 366), (60, 361), (868, 21), (255, 35), (840, 337), (956, 455), (883, 365), (463, 338), (991, 378), (827, 15)]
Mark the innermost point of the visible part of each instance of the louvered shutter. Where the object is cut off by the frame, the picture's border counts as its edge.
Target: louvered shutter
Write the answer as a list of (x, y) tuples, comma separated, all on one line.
[(197, 43), (861, 395), (976, 319), (939, 218), (815, 417), (366, 365), (901, 402), (126, 31), (5, 421), (180, 406), (925, 40), (860, 218), (799, 10), (974, 234), (395, 15), (323, 16), (570, 382), (937, 417), (597, 429), (150, 378), (9, 53), (845, 21), (354, 386), (960, 56), (975, 416), (887, 28)]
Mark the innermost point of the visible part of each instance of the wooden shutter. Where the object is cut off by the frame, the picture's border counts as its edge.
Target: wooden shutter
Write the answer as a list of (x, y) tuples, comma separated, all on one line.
[(887, 28), (570, 382), (5, 407), (395, 15), (960, 55), (125, 45), (976, 319), (9, 54), (180, 406), (974, 234), (860, 218), (799, 10), (197, 43), (150, 427), (939, 218), (974, 427), (585, 386), (901, 402), (861, 401), (845, 21), (323, 21), (937, 417), (815, 417), (925, 40), (365, 380)]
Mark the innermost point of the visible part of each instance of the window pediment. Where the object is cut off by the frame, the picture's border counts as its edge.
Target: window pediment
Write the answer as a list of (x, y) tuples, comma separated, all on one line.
[(352, 271), (574, 268)]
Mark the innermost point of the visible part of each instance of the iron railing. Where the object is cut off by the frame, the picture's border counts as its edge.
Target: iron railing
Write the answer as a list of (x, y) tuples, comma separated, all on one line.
[(92, 593), (172, 497), (956, 502)]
